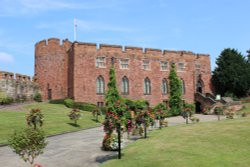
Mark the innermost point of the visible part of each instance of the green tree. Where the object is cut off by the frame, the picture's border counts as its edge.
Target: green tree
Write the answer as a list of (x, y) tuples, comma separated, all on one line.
[(114, 115), (28, 144), (34, 118), (232, 74), (175, 99), (75, 115)]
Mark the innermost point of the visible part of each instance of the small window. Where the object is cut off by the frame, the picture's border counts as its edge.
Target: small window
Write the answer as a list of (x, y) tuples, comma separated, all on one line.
[(100, 62), (164, 86), (181, 67), (146, 65), (197, 66), (125, 85), (100, 85), (100, 104), (124, 63), (147, 86), (164, 65)]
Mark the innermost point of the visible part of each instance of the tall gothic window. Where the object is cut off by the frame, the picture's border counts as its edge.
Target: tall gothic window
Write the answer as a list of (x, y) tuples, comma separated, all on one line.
[(164, 86), (125, 85), (147, 86), (100, 85), (183, 90)]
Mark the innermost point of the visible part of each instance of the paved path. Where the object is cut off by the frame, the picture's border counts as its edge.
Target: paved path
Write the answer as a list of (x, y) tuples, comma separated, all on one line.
[(78, 149)]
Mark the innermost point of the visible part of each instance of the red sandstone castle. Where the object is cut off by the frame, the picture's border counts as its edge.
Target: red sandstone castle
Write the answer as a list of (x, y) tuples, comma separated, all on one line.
[(81, 71)]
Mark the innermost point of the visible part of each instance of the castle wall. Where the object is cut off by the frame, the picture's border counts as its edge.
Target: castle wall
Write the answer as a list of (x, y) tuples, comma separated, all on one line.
[(86, 73), (51, 67), (69, 70), (17, 87)]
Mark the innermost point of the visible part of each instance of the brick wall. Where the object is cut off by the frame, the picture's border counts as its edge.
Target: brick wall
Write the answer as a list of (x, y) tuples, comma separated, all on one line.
[(81, 73)]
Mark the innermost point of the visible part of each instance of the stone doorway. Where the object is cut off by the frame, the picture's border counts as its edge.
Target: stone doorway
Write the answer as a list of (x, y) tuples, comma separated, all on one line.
[(49, 94), (198, 108)]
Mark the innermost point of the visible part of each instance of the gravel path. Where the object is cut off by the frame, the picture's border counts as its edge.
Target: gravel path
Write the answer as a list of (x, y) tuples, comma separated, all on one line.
[(78, 149)]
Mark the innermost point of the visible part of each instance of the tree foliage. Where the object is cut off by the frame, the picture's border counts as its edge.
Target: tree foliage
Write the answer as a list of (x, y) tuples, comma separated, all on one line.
[(115, 112), (175, 100), (28, 143), (232, 74), (34, 118)]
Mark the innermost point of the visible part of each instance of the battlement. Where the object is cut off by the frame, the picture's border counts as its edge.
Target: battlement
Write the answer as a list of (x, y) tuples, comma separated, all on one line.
[(52, 41), (11, 76), (118, 48)]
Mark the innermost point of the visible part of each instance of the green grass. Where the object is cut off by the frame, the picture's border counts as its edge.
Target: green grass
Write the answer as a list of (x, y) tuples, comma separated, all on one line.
[(56, 120), (224, 143), (246, 108)]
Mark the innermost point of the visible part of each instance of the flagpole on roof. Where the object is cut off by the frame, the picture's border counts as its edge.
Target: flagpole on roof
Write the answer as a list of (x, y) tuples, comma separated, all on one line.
[(75, 29)]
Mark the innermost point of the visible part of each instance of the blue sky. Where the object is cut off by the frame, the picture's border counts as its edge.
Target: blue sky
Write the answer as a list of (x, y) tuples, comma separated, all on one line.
[(206, 26)]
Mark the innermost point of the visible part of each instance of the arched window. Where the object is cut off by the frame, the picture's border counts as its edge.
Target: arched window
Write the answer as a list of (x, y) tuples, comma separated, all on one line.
[(147, 86), (183, 90), (100, 85), (164, 86), (125, 85)]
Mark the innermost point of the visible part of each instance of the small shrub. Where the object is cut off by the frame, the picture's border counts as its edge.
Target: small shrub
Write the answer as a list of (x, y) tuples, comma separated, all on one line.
[(96, 112), (34, 118), (84, 106), (28, 144), (6, 101), (57, 101), (229, 114), (69, 103), (188, 111), (74, 115), (38, 97), (244, 114)]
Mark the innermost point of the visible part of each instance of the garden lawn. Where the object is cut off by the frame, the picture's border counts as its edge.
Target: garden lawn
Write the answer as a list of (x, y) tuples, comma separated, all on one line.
[(225, 143), (246, 108), (56, 120)]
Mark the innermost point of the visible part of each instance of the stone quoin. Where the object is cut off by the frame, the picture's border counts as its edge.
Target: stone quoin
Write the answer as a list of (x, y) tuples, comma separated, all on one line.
[(81, 71)]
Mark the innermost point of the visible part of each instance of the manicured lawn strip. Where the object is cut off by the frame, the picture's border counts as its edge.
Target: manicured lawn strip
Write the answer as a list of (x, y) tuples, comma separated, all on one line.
[(224, 143), (246, 108), (56, 120)]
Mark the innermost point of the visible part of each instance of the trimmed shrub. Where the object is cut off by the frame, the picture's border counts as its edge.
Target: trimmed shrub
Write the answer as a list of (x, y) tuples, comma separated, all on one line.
[(28, 144), (6, 100), (35, 117), (74, 115), (57, 101), (69, 103), (84, 106), (38, 97)]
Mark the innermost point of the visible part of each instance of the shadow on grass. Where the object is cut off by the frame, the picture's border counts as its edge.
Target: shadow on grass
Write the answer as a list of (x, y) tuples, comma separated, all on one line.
[(75, 125), (110, 156), (95, 120)]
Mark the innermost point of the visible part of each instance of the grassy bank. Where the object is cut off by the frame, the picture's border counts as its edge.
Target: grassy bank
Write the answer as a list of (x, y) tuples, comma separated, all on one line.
[(225, 143), (56, 120)]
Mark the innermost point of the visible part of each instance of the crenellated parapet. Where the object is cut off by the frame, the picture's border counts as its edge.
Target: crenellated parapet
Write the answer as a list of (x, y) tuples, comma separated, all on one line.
[(18, 77), (53, 41), (17, 85), (56, 42)]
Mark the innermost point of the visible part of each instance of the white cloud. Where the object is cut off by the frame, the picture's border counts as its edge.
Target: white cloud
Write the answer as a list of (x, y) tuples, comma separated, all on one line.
[(27, 7), (6, 58)]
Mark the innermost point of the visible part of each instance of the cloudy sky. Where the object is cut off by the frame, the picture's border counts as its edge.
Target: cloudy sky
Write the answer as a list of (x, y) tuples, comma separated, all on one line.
[(206, 26)]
